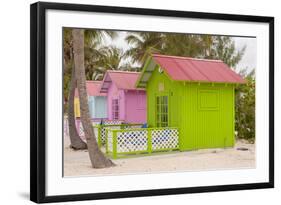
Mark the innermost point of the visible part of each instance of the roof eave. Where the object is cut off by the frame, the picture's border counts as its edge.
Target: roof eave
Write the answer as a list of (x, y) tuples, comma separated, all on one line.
[(101, 90), (140, 83)]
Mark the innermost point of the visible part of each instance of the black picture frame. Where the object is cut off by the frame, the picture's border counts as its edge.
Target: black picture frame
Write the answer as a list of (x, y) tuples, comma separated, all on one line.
[(38, 101)]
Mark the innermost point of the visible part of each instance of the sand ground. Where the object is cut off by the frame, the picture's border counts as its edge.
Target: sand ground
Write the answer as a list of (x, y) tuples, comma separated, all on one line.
[(77, 163)]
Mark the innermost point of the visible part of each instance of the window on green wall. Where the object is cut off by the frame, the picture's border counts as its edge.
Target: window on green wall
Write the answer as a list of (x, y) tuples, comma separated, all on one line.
[(162, 117)]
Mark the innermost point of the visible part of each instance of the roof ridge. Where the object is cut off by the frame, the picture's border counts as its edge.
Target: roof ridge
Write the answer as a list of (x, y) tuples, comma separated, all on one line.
[(93, 81), (121, 71), (188, 58)]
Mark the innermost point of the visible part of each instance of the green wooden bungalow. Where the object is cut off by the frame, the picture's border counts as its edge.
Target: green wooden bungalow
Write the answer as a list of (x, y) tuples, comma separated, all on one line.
[(196, 96)]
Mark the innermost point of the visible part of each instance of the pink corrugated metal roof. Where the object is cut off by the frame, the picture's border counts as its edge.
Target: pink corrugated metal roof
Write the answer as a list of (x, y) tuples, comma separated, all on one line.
[(122, 79), (194, 69), (93, 88)]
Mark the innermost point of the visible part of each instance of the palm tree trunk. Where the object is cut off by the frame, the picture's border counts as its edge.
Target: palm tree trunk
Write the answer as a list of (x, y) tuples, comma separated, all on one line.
[(76, 142), (97, 158)]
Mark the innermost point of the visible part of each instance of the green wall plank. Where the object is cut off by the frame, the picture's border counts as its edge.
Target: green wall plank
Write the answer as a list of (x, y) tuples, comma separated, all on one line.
[(203, 112)]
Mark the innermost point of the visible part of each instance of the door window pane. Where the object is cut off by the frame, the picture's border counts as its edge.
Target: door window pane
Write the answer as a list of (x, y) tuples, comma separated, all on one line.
[(162, 111)]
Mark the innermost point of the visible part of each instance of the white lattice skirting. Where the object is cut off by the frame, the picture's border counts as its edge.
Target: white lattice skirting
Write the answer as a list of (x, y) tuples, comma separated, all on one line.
[(165, 139), (132, 141), (80, 128), (143, 140), (102, 129)]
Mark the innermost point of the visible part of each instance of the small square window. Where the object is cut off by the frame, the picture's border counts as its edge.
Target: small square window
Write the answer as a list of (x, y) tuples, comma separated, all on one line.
[(208, 99)]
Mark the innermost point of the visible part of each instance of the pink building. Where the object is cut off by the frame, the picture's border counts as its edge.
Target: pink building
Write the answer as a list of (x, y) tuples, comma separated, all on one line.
[(124, 101)]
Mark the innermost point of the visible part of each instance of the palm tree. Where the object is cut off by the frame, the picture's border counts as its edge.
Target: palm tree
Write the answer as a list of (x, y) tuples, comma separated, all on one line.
[(224, 49), (94, 52), (67, 60), (189, 45), (97, 158), (92, 39), (207, 44), (112, 59), (69, 81), (93, 57), (141, 43), (75, 141)]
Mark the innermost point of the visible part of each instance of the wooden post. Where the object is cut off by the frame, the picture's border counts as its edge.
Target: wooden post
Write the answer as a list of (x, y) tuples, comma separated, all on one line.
[(106, 141), (149, 141)]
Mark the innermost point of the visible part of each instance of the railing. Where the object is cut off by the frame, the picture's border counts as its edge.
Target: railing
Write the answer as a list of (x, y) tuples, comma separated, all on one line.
[(95, 122), (100, 130), (140, 140)]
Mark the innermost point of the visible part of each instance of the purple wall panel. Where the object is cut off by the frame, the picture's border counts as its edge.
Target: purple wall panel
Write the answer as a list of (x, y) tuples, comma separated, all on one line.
[(132, 104)]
